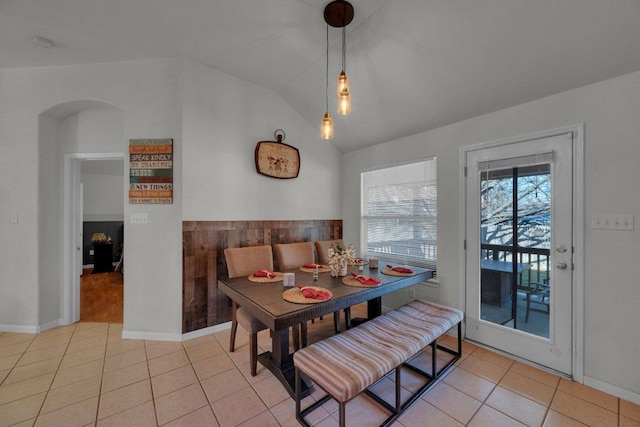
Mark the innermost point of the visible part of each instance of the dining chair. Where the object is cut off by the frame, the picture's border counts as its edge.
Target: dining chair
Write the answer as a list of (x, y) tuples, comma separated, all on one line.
[(322, 247), (294, 255), (244, 262), (539, 294)]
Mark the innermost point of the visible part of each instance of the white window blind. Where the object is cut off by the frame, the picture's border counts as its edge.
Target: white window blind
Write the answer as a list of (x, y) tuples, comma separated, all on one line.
[(399, 213)]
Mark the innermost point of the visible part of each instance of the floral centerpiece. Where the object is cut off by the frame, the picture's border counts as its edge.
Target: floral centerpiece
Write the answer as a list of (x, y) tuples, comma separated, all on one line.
[(338, 258)]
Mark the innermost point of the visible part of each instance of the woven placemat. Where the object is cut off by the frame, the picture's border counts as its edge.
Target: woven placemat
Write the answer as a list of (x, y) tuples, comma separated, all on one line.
[(294, 295), (350, 281), (279, 277), (390, 272), (321, 269)]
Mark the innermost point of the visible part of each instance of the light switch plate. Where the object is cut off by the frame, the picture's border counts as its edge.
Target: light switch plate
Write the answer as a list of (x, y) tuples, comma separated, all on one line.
[(139, 218), (612, 222)]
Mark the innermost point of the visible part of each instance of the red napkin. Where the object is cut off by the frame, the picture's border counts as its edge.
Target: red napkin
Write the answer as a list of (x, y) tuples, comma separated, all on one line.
[(400, 269), (313, 294), (264, 273), (366, 280), (312, 265)]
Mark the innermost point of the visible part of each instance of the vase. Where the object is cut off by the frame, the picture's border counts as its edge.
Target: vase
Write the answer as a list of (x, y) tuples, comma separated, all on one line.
[(343, 268), (338, 268)]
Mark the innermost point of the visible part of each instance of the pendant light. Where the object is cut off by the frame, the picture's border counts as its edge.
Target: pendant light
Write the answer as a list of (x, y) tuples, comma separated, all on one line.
[(344, 95), (326, 128)]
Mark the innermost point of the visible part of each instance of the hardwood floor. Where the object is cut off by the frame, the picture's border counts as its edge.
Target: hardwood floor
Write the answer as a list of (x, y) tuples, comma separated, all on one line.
[(101, 297)]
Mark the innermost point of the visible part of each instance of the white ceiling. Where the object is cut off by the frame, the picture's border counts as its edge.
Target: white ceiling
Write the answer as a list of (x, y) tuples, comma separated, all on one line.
[(414, 65)]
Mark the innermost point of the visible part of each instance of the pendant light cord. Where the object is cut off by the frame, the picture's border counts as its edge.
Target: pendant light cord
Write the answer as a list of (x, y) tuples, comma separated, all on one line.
[(326, 88)]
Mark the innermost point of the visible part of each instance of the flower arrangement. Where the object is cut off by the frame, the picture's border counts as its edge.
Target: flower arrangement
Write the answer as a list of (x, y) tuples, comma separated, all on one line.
[(338, 257)]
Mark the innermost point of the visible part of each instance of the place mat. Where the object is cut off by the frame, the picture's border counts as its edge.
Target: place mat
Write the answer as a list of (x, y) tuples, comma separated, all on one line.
[(357, 261), (351, 281), (278, 278), (390, 272), (294, 295), (321, 269)]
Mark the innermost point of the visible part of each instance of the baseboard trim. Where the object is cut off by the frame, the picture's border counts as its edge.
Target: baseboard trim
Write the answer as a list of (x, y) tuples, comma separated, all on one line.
[(612, 390), (50, 325), (20, 329), (161, 336)]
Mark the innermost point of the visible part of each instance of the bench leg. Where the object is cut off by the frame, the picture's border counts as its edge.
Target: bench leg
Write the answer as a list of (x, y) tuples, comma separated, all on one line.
[(342, 422), (398, 390)]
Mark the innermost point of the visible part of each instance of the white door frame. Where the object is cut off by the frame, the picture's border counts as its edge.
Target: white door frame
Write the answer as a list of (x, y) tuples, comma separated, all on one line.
[(578, 231), (72, 261)]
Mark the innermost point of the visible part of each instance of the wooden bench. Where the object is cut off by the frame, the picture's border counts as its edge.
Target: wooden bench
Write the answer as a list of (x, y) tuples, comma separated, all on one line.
[(346, 364)]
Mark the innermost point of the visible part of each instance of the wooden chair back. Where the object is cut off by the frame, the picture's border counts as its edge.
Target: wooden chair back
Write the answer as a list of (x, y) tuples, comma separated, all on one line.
[(293, 255)]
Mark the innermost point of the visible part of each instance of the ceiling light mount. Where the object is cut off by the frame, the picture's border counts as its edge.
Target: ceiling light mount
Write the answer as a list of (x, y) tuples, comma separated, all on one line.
[(338, 13)]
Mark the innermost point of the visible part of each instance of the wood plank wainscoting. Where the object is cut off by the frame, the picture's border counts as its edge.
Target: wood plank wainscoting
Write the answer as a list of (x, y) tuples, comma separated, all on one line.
[(203, 244)]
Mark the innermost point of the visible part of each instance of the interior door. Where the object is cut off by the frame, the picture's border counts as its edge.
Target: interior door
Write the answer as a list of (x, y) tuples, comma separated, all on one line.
[(518, 264)]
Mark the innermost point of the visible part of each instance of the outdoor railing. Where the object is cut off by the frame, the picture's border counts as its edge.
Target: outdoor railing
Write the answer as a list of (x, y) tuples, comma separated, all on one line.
[(538, 258)]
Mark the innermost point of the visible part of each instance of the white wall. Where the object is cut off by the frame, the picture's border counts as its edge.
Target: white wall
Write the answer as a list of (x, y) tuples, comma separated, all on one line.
[(148, 93), (103, 197), (610, 112), (224, 119)]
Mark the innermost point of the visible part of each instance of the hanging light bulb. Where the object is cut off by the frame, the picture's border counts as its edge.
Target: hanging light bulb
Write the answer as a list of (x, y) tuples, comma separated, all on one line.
[(344, 102), (343, 83), (326, 128)]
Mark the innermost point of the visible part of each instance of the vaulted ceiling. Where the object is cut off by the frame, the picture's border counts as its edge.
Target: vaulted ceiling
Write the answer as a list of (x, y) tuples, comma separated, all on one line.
[(414, 65)]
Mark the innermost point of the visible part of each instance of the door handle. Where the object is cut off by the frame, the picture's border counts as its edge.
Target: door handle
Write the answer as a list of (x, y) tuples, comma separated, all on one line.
[(561, 265), (561, 249)]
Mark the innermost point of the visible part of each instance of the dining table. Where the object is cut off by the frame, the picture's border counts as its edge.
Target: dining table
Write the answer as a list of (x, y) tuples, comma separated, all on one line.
[(265, 302)]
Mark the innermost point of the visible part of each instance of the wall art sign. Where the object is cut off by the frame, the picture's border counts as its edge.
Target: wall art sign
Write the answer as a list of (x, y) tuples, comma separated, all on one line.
[(276, 159), (151, 171)]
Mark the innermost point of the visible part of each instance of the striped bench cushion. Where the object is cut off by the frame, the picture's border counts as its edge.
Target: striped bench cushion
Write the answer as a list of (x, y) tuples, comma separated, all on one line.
[(345, 364)]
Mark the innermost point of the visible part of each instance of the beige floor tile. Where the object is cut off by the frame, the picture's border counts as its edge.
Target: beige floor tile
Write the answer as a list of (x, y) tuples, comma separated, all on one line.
[(43, 341), (364, 411), (141, 415), (168, 362), (516, 406), (8, 362), (70, 394), (25, 372), (89, 343), (271, 391), (87, 330), (264, 419), (452, 402), (536, 374), (491, 357), (261, 372), (81, 357), (482, 368), (224, 384), (173, 380), (162, 348), (238, 407), (421, 411), (583, 411), (204, 350), (200, 417), (79, 414), (556, 419), (589, 394), (628, 422), (26, 388), (124, 398), (122, 346), (285, 412), (204, 339), (78, 373), (10, 338), (21, 410), (122, 360), (180, 403), (487, 416), (4, 374), (468, 383), (212, 366), (528, 388), (630, 410), (41, 354), (125, 376)]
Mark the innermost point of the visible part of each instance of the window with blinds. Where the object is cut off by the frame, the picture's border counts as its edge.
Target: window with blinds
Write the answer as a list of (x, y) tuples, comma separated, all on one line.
[(399, 213)]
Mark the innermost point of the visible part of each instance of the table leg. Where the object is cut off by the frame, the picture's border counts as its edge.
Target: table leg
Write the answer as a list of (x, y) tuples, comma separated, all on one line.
[(280, 362)]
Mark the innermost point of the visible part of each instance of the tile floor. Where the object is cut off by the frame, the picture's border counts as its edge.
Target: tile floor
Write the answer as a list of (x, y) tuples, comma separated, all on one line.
[(85, 374)]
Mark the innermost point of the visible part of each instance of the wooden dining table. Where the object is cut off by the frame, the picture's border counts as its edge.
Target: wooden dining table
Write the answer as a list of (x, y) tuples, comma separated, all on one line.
[(265, 302)]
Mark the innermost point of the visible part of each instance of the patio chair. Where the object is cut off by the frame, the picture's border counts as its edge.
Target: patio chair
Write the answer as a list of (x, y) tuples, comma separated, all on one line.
[(537, 293)]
